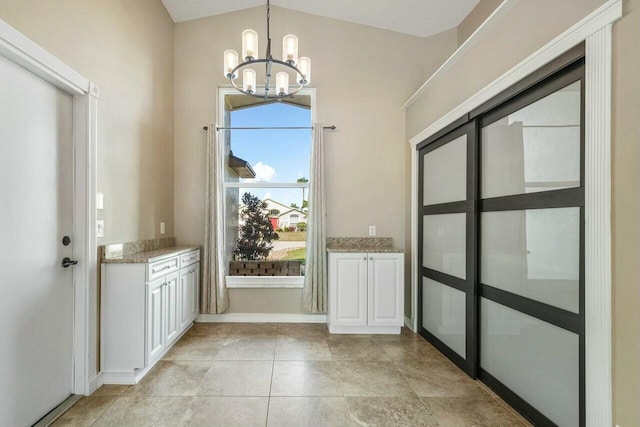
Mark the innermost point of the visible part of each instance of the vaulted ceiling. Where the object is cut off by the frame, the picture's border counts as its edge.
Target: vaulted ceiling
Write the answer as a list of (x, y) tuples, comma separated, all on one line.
[(416, 17)]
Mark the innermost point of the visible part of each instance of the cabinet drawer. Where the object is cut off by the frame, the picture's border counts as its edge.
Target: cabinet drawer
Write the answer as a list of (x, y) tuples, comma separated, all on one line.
[(161, 268), (189, 258)]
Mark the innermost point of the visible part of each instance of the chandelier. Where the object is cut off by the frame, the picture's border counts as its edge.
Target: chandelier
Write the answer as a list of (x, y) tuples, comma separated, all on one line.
[(289, 63)]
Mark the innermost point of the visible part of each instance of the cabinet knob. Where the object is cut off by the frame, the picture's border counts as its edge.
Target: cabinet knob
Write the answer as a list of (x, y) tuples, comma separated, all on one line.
[(365, 258), (371, 258)]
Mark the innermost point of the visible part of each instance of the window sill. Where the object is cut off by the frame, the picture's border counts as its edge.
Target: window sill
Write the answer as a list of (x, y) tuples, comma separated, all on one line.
[(271, 282)]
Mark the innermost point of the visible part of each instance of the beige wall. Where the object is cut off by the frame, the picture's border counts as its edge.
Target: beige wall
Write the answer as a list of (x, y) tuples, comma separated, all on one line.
[(475, 18), (362, 75), (126, 48), (626, 216), (516, 35)]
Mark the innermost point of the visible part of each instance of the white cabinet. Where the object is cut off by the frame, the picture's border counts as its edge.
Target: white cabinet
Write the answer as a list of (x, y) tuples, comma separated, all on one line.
[(145, 308), (366, 292)]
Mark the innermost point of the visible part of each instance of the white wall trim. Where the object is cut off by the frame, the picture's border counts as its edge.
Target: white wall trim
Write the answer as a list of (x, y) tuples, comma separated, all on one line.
[(595, 30), (24, 52), (408, 322), (468, 43), (273, 282), (261, 318), (598, 228), (605, 14), (96, 382)]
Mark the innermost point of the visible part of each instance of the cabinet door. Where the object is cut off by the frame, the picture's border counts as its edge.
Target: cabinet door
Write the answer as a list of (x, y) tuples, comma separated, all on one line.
[(348, 289), (195, 295), (155, 320), (386, 289), (186, 298), (173, 308)]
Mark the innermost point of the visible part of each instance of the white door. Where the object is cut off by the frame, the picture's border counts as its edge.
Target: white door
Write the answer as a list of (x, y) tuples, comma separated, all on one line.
[(386, 289), (195, 291), (348, 289), (173, 308), (36, 190), (155, 320), (186, 299)]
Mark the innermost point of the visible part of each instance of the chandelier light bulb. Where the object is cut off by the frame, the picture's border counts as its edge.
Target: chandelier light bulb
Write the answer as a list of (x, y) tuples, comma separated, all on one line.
[(249, 80), (282, 83), (230, 62), (249, 45), (304, 65), (290, 49)]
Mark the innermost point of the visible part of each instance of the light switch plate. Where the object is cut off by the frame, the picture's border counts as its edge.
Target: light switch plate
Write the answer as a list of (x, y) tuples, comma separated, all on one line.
[(162, 228), (372, 230), (100, 201), (100, 228)]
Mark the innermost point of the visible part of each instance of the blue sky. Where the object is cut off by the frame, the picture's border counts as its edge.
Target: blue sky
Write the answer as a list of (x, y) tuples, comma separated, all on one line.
[(275, 155)]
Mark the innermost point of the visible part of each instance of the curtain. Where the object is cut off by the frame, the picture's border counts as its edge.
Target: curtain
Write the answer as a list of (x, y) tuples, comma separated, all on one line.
[(314, 294), (213, 292)]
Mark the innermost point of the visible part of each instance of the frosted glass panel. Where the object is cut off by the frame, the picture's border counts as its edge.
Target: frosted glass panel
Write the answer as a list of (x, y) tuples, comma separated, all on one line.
[(533, 253), (444, 243), (445, 173), (536, 360), (443, 314), (534, 149)]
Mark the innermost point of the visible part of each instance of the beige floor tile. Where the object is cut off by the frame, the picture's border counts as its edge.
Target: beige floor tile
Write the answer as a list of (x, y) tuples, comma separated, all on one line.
[(143, 411), (212, 330), (110, 390), (410, 349), (476, 412), (303, 330), (291, 348), (390, 412), (226, 412), (85, 411), (365, 349), (256, 330), (195, 348), (237, 378), (244, 348), (310, 378), (172, 378), (439, 379), (308, 412), (372, 379)]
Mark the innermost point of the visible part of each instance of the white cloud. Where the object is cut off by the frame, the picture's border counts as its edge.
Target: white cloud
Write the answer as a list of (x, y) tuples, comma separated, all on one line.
[(264, 172)]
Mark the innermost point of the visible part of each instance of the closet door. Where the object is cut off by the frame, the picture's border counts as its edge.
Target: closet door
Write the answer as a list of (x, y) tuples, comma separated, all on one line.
[(446, 250), (531, 258)]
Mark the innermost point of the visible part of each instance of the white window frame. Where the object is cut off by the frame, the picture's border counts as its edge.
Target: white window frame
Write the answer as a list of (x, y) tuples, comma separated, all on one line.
[(272, 282)]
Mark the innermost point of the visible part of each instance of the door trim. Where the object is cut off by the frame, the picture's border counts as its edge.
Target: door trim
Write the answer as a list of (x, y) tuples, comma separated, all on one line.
[(21, 50), (595, 30)]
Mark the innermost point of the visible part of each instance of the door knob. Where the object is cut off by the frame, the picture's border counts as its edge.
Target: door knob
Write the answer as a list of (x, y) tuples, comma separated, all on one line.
[(68, 262)]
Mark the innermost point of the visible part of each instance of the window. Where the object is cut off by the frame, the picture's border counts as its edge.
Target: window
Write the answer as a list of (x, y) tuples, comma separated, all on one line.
[(266, 188)]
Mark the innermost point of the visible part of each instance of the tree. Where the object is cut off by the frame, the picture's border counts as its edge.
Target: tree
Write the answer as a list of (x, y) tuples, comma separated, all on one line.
[(256, 232), (294, 206)]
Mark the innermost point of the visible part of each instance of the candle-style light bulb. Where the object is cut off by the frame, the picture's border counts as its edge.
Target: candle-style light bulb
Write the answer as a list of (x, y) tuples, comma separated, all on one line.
[(290, 49), (282, 83), (249, 45), (304, 65), (230, 62), (249, 80)]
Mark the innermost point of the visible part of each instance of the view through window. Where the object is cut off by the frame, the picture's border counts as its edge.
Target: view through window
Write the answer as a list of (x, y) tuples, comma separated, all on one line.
[(266, 185)]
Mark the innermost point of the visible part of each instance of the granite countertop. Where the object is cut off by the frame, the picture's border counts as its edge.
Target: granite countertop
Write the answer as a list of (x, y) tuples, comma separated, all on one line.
[(142, 251), (148, 256), (362, 244)]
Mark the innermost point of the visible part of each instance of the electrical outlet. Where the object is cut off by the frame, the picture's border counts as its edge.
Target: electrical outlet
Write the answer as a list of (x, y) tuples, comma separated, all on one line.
[(372, 230), (162, 228), (100, 228)]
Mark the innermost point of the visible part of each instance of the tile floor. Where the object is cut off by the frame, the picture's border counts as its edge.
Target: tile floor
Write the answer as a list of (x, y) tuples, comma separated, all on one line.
[(295, 375)]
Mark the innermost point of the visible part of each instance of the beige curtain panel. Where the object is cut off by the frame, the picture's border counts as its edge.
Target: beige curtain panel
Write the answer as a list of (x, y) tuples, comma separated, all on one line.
[(315, 280), (213, 293)]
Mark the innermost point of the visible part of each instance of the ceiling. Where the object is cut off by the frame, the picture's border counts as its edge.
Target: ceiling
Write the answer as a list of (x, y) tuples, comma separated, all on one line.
[(416, 17)]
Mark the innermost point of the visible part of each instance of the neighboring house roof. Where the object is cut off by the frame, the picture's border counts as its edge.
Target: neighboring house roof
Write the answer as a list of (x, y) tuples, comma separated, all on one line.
[(303, 213)]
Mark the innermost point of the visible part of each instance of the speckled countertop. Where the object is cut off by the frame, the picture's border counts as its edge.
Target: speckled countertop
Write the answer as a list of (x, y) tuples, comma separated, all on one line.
[(362, 244), (142, 251)]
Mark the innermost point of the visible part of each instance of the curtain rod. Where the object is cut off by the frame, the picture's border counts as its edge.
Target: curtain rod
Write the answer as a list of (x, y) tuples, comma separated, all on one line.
[(273, 127)]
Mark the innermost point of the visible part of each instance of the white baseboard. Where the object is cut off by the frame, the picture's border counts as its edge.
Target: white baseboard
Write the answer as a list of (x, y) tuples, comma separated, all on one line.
[(125, 378), (95, 383), (388, 330), (261, 318)]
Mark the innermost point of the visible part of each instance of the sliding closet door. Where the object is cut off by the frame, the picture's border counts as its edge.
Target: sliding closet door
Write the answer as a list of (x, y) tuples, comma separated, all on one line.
[(446, 290), (531, 250)]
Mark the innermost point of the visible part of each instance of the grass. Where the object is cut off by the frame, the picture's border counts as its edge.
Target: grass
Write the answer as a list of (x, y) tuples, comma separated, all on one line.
[(292, 236), (299, 254)]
